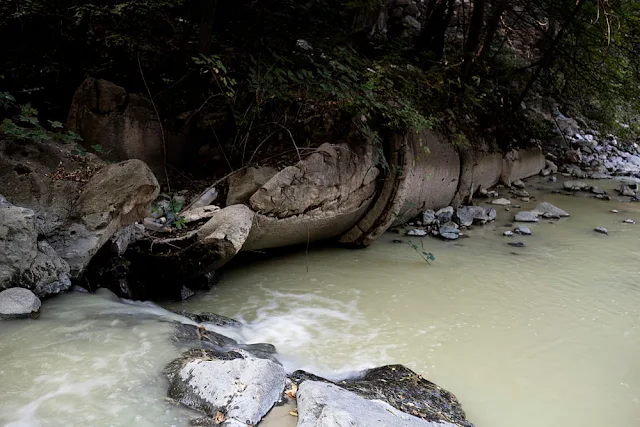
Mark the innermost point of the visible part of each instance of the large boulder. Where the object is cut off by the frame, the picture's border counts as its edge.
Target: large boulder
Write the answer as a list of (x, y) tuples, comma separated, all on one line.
[(394, 386), (520, 164), (25, 260), (124, 125), (232, 387), (18, 302), (116, 196), (322, 404), (77, 202)]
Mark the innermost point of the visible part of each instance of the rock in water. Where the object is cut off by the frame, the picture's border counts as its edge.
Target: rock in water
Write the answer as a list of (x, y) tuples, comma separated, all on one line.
[(322, 404), (575, 185), (444, 215), (518, 183), (627, 190), (428, 217), (629, 221), (601, 230), (491, 214), (516, 244), (240, 386), (597, 190), (18, 302), (526, 216), (525, 231), (416, 232), (468, 215), (501, 202), (449, 231), (547, 210), (508, 233)]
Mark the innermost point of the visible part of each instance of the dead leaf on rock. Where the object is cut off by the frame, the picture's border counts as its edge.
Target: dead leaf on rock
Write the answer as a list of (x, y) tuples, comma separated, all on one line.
[(292, 391), (294, 413), (220, 418)]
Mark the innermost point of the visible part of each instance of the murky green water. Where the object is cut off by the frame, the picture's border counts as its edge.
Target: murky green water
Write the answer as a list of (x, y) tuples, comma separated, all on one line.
[(545, 335)]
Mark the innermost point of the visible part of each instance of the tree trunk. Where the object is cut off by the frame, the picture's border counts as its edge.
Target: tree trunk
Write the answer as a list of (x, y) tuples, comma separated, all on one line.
[(473, 37), (547, 59), (492, 28), (208, 10)]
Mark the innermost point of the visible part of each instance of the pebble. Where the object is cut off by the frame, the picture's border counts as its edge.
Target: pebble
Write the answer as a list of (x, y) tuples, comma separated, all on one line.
[(629, 221), (417, 232), (508, 233), (614, 211), (601, 230)]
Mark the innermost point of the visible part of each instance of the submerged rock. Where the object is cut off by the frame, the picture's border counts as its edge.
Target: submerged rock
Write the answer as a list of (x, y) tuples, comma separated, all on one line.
[(491, 214), (449, 231), (526, 216), (627, 190), (601, 230), (525, 231), (516, 244), (18, 302), (501, 202), (240, 387), (629, 221), (575, 185), (547, 210), (468, 215)]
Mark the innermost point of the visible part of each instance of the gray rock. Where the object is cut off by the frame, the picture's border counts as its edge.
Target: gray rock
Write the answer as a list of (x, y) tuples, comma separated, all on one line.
[(417, 232), (326, 405), (526, 216), (240, 386), (516, 244), (491, 214), (26, 261), (520, 192), (600, 175), (615, 211), (597, 190), (444, 215), (467, 215), (518, 183), (549, 209), (411, 23), (576, 172), (525, 231), (501, 202), (508, 233), (601, 230), (18, 302), (627, 190), (449, 231), (575, 185), (243, 185), (629, 221), (428, 217), (548, 164)]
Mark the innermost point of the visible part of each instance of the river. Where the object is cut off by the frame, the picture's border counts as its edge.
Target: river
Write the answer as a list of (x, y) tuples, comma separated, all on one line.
[(545, 335)]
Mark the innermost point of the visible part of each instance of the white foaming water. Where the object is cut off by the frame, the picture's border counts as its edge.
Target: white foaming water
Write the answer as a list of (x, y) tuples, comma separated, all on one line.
[(90, 360)]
